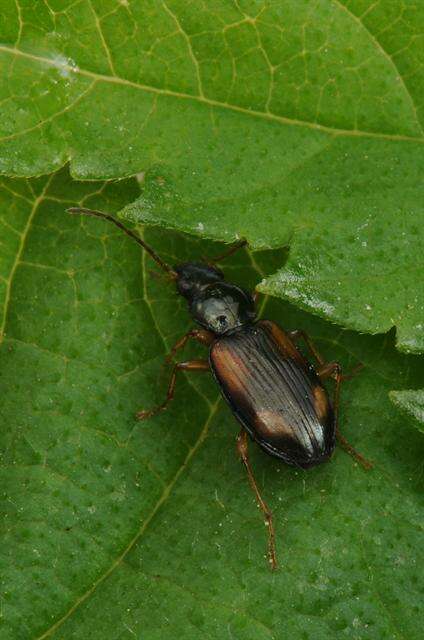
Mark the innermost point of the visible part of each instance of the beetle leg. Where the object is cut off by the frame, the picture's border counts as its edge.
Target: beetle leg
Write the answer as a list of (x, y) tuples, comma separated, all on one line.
[(255, 296), (201, 335), (298, 334), (333, 370), (191, 365), (235, 247), (242, 449), (366, 464)]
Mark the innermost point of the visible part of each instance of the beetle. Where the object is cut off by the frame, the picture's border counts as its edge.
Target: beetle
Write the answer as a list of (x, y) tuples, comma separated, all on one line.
[(273, 390)]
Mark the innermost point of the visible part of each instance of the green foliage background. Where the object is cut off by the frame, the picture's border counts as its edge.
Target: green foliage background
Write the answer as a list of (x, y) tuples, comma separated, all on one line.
[(295, 123)]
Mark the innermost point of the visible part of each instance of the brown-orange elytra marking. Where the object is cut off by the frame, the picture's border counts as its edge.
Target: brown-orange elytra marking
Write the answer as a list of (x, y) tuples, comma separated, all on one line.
[(272, 389), (271, 424), (321, 401)]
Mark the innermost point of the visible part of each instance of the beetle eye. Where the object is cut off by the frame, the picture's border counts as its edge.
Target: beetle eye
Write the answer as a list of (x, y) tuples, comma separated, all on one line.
[(184, 286), (222, 321)]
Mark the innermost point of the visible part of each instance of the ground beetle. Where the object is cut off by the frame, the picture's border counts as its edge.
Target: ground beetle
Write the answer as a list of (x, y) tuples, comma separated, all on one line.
[(273, 391)]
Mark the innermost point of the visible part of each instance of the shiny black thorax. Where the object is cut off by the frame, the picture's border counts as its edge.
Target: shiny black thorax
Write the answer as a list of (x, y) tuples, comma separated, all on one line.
[(216, 305), (272, 390)]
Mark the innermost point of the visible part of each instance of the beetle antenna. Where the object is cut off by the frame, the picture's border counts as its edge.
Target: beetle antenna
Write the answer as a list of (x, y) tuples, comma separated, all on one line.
[(99, 214)]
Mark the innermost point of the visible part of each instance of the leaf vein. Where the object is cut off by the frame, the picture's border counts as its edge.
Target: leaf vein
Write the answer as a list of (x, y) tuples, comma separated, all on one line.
[(189, 47), (52, 117), (102, 39), (19, 253), (386, 55), (214, 103)]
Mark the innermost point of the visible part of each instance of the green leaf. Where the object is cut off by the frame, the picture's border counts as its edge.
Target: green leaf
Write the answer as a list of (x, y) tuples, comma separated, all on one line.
[(355, 251), (119, 529), (411, 402), (293, 121)]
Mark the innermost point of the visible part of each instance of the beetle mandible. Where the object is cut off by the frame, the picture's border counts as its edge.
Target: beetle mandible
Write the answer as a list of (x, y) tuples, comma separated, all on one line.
[(275, 393)]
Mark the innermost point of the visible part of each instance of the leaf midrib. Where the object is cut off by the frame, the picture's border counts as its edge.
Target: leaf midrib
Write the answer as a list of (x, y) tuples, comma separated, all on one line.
[(163, 498), (24, 234), (206, 101)]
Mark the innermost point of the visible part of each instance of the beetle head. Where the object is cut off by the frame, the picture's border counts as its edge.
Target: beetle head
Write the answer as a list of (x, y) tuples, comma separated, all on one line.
[(221, 307)]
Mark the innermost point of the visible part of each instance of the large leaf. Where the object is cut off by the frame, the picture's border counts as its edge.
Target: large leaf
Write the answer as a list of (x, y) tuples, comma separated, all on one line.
[(298, 119), (116, 529), (356, 241)]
